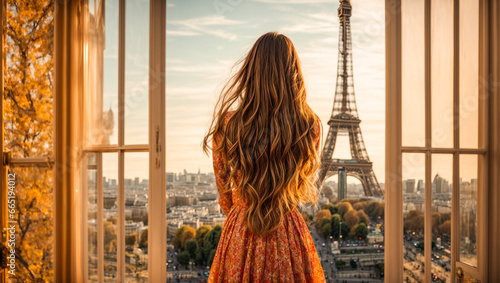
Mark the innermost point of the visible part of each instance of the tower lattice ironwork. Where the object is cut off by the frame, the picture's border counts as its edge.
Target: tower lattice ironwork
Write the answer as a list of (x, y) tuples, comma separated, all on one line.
[(345, 118)]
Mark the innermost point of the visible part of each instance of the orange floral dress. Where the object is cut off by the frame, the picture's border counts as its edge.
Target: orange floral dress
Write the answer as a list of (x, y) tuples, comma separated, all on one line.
[(286, 255)]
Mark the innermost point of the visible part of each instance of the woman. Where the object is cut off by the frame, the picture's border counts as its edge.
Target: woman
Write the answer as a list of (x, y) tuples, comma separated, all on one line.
[(265, 155)]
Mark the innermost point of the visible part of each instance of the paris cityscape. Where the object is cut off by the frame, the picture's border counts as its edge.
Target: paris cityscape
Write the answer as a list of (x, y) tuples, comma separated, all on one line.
[(346, 225)]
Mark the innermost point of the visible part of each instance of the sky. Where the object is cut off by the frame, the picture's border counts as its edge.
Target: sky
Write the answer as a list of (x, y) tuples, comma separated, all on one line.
[(206, 38)]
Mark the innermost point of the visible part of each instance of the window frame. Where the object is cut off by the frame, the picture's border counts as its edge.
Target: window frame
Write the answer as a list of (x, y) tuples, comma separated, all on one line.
[(155, 147), (395, 149)]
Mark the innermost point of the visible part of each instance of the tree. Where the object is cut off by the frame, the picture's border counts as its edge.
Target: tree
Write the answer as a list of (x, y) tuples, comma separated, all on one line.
[(352, 231), (28, 130), (363, 218), (201, 232), (351, 218), (143, 243), (360, 205), (344, 207), (191, 247), (352, 201), (361, 231), (131, 240), (324, 221), (182, 235), (326, 230), (211, 241), (177, 240), (375, 210), (340, 264), (335, 225), (445, 228), (379, 269), (414, 221), (183, 258), (188, 234), (320, 215), (211, 257), (353, 264), (199, 258), (326, 205), (109, 237), (436, 221)]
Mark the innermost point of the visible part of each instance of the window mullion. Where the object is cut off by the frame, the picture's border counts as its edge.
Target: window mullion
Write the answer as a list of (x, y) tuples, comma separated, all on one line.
[(157, 235), (428, 140), (121, 138), (100, 219), (455, 194)]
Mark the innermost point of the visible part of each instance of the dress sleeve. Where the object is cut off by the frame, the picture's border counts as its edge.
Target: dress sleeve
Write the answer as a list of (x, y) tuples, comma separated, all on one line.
[(221, 178)]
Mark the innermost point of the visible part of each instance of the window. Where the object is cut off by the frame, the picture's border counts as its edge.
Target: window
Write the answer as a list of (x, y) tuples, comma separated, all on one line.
[(27, 141), (123, 82), (436, 133)]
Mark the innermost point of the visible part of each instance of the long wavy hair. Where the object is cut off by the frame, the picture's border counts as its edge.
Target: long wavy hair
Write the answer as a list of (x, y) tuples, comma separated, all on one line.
[(271, 138)]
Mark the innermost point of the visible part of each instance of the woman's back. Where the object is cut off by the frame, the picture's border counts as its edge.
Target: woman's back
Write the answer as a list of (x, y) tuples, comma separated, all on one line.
[(265, 153)]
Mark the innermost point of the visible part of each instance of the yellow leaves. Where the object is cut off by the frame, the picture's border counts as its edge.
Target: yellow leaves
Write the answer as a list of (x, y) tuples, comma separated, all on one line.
[(28, 129)]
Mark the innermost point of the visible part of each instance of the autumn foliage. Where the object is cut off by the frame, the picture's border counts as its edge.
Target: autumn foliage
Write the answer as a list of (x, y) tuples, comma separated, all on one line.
[(28, 128)]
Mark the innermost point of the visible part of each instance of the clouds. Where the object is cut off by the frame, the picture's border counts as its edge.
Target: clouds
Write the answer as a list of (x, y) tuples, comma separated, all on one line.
[(205, 25), (202, 46)]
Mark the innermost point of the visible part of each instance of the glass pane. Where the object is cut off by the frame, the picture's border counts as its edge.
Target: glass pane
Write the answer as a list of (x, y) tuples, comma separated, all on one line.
[(110, 196), (108, 102), (30, 211), (442, 73), (468, 209), (92, 217), (442, 168), (469, 73), (413, 219), (136, 216), (136, 71), (413, 76), (28, 97)]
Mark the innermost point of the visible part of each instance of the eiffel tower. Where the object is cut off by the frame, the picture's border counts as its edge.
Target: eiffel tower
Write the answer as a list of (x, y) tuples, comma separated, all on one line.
[(345, 118)]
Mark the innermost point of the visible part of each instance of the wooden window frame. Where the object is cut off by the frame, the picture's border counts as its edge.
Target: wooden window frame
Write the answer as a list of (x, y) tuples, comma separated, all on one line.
[(395, 149), (155, 147)]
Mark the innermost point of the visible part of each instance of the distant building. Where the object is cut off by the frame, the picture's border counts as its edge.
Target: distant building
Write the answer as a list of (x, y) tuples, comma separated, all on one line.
[(420, 186), (410, 186), (440, 185), (133, 227), (171, 177), (342, 187)]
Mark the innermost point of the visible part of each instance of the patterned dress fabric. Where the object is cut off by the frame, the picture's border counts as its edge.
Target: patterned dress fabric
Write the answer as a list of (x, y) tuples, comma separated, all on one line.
[(286, 255)]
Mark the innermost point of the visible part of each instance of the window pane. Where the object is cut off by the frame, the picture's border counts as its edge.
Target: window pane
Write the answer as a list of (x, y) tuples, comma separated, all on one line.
[(442, 168), (469, 73), (413, 211), (92, 225), (109, 101), (468, 209), (136, 216), (28, 97), (136, 71), (413, 76), (442, 73), (33, 220), (110, 196)]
